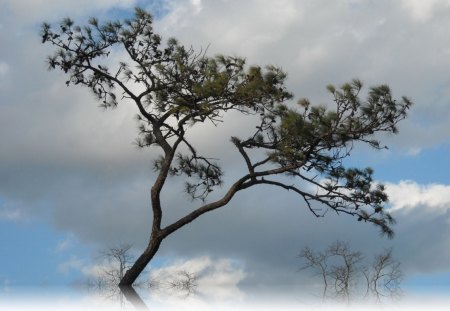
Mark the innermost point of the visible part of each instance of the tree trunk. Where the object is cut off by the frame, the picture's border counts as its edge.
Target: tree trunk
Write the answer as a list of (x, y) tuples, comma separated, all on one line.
[(132, 296), (132, 274)]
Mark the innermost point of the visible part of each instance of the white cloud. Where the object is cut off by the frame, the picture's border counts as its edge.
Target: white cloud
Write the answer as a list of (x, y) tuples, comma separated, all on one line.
[(414, 151), (65, 244), (89, 269), (249, 25), (422, 10), (12, 214), (72, 263), (310, 57), (6, 285), (217, 279), (197, 5), (96, 270), (409, 194)]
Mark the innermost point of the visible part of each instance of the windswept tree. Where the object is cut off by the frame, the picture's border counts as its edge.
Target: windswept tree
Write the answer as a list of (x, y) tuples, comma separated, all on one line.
[(176, 88)]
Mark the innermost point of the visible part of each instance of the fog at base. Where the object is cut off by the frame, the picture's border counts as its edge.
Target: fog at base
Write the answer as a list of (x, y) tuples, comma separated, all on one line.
[(202, 298)]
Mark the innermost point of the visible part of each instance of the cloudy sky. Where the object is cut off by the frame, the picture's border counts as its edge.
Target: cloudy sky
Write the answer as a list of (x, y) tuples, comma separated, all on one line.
[(72, 182)]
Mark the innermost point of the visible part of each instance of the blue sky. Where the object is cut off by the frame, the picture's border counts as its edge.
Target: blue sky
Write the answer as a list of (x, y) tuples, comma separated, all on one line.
[(71, 182), (30, 245)]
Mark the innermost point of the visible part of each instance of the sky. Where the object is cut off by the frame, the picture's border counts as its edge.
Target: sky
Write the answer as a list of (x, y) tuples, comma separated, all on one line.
[(72, 182)]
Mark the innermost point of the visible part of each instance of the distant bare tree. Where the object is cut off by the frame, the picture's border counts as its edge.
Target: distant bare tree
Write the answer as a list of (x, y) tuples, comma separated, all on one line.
[(118, 260), (344, 273), (343, 270), (386, 276), (318, 262), (113, 262)]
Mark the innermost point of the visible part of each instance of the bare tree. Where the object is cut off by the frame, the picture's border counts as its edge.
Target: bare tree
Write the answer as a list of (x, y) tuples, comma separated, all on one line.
[(112, 262), (118, 259), (316, 261), (345, 272), (115, 260), (386, 276)]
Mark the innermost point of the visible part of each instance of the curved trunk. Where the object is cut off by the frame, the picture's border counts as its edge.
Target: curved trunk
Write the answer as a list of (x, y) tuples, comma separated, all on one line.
[(132, 274), (158, 235)]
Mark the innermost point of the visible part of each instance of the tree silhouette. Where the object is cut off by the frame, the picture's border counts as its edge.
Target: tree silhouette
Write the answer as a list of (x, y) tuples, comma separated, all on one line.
[(175, 88)]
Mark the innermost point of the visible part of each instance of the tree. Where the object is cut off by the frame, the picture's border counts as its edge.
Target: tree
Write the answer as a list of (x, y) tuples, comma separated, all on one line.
[(118, 260), (345, 270), (318, 262), (385, 276), (113, 262), (175, 88), (344, 274)]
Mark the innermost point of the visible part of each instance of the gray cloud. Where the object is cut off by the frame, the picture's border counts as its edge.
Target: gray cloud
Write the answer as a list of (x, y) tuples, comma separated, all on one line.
[(379, 42)]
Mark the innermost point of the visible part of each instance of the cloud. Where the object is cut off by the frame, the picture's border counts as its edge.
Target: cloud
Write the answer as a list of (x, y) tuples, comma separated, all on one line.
[(424, 10), (217, 279), (73, 263), (4, 68), (65, 244), (35, 11), (408, 194), (10, 215), (4, 73), (6, 285), (89, 269), (197, 6), (12, 212), (320, 44)]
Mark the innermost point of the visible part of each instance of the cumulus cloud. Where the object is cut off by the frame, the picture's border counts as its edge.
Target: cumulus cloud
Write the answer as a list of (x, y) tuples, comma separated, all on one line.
[(217, 279), (409, 194)]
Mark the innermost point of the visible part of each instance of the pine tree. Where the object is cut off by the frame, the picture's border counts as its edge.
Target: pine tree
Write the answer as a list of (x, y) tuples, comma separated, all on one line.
[(180, 87)]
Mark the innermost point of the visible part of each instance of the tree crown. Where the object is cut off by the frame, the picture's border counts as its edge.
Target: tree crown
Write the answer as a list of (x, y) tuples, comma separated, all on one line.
[(175, 87)]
